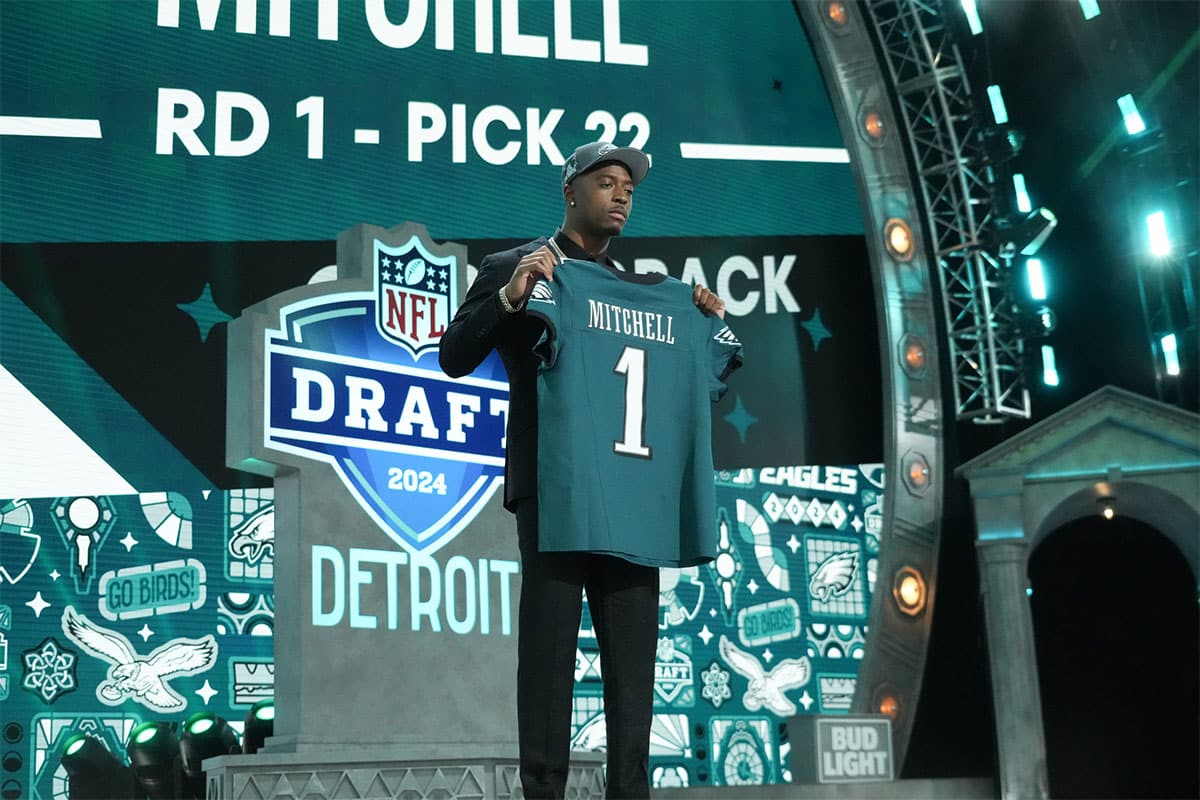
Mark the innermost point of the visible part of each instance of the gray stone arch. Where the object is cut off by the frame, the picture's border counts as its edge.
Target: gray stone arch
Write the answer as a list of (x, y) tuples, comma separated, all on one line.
[(1141, 454), (1160, 508)]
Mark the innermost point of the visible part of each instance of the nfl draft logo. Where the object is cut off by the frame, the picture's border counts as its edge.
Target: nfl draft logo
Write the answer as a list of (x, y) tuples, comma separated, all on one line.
[(413, 291), (352, 379)]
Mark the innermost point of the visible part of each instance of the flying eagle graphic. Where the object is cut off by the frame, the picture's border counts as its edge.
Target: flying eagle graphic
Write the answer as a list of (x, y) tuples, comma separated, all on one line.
[(144, 679), (767, 688), (834, 576)]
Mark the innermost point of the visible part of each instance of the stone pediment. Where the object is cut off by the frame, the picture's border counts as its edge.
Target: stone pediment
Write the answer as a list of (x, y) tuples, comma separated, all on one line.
[(1110, 427)]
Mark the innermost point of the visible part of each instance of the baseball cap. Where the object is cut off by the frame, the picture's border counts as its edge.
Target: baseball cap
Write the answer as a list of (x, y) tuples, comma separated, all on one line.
[(589, 155)]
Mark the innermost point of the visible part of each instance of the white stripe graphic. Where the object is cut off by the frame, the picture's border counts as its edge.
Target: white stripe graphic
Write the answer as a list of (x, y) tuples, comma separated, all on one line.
[(50, 126), (764, 152)]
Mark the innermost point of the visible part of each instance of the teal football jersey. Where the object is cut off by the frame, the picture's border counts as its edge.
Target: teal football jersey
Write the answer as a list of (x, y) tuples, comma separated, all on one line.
[(629, 370)]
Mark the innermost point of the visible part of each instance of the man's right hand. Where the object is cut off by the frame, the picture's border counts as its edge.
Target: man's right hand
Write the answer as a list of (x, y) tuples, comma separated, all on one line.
[(530, 269)]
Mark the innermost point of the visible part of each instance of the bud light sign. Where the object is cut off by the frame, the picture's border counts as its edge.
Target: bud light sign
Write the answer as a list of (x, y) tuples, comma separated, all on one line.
[(352, 379)]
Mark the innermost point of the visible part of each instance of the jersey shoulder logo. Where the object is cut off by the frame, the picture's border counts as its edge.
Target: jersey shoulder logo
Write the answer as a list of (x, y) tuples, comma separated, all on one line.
[(725, 336), (542, 293)]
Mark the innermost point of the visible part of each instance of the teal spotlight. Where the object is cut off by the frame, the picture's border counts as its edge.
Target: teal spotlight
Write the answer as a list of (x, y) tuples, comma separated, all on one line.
[(1023, 203), (1037, 279), (999, 112), (973, 21), (93, 771), (1049, 368), (1156, 225), (1091, 9), (1027, 235), (1170, 350), (1133, 118), (205, 735), (153, 750), (260, 723)]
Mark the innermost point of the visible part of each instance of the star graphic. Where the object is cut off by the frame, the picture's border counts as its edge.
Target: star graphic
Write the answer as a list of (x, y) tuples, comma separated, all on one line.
[(205, 312), (38, 604), (740, 418), (55, 575), (816, 329), (145, 632), (388, 261), (768, 655), (442, 286), (752, 586), (206, 691), (793, 544), (806, 700), (712, 612), (129, 541), (705, 634), (857, 524), (442, 274)]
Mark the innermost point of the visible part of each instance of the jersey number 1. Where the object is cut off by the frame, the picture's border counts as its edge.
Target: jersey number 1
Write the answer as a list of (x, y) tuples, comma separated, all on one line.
[(632, 364)]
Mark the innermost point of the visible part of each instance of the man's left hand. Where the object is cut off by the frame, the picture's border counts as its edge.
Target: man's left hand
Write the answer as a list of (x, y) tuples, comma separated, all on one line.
[(708, 302)]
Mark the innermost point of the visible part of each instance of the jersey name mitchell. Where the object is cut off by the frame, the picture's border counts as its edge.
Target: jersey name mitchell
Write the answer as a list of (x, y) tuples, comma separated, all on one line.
[(629, 370)]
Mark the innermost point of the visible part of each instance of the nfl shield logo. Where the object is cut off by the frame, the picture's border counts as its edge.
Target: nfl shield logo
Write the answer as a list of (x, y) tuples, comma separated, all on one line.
[(346, 383), (413, 295)]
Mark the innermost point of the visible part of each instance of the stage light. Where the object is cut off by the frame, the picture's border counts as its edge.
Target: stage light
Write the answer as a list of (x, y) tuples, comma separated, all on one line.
[(908, 590), (836, 13), (153, 750), (872, 124), (205, 735), (917, 473), (1134, 124), (93, 771), (1037, 279), (260, 723), (999, 112), (973, 20), (1091, 9), (1129, 111), (1170, 350), (1049, 369), (898, 239), (913, 349), (1108, 507), (1160, 243), (1029, 234), (1024, 205), (887, 701), (1001, 143)]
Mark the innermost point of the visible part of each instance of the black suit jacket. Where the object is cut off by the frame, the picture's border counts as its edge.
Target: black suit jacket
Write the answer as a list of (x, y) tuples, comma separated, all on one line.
[(482, 324)]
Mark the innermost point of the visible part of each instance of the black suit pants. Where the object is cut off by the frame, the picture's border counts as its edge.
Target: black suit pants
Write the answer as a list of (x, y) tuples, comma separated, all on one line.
[(623, 600)]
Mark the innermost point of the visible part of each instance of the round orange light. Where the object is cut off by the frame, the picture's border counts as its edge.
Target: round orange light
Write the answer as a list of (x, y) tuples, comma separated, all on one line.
[(898, 239), (914, 354), (908, 589), (918, 473), (889, 706), (836, 11), (873, 125)]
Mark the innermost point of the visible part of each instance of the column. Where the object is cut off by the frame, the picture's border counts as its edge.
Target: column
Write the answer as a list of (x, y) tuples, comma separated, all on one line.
[(1016, 696)]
